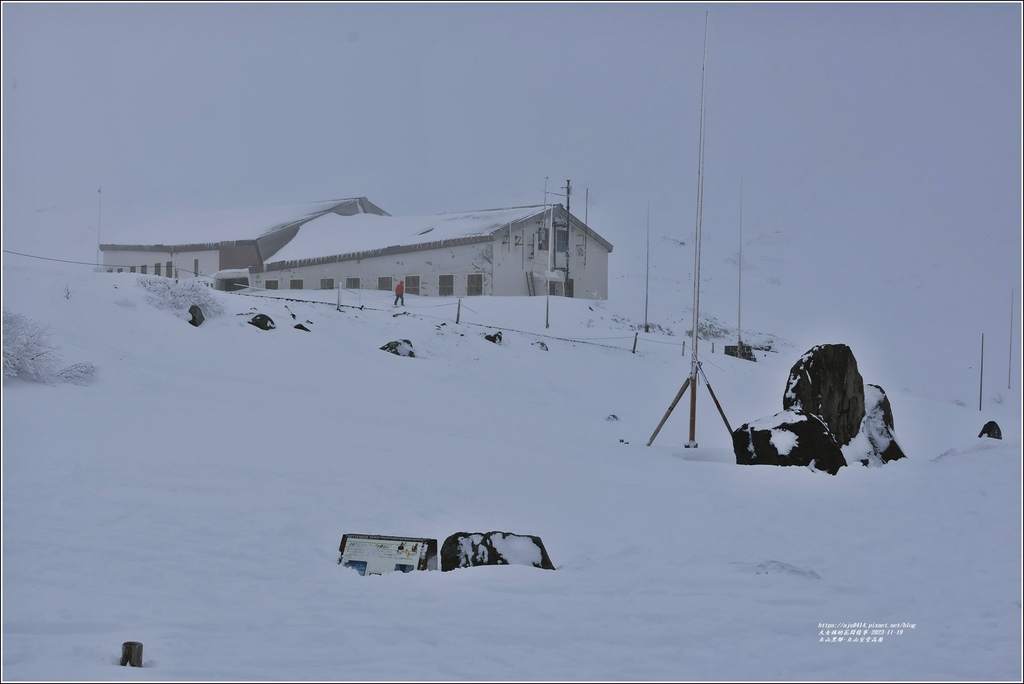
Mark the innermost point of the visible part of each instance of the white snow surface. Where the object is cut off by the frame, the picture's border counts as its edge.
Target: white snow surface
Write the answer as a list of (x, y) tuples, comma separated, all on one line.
[(193, 496)]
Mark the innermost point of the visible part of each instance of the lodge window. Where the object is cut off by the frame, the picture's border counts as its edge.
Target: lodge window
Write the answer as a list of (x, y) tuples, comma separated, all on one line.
[(271, 285), (519, 240), (412, 284), (327, 283), (384, 283), (170, 269), (542, 239), (474, 284), (295, 284), (351, 283), (142, 269), (132, 269), (445, 285), (561, 240), (156, 269)]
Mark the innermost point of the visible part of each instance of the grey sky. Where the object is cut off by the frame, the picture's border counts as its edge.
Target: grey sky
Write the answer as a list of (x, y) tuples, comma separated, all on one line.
[(856, 129)]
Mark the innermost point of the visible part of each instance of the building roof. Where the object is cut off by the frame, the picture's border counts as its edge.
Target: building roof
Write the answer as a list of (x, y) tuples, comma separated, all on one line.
[(214, 227), (332, 235)]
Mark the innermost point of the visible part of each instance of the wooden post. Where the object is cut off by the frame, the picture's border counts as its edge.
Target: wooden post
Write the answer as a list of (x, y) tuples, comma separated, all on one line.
[(131, 653), (458, 311), (635, 335)]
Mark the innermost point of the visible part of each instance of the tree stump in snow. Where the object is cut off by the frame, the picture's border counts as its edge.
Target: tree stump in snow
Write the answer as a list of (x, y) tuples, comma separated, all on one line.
[(131, 653)]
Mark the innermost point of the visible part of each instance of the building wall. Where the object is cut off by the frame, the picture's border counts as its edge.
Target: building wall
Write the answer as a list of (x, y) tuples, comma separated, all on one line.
[(456, 261), (184, 263), (503, 263)]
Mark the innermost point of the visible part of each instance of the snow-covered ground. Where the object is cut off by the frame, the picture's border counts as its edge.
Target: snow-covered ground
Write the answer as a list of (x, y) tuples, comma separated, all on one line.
[(193, 496)]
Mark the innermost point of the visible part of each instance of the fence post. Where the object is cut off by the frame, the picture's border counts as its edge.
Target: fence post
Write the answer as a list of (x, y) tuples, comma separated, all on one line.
[(635, 335), (131, 654), (458, 311)]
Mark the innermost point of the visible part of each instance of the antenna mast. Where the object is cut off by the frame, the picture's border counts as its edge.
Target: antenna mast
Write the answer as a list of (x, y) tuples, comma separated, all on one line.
[(739, 296), (694, 364), (647, 284)]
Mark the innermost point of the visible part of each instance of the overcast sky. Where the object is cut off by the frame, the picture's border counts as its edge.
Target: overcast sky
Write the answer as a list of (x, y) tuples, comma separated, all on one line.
[(893, 129)]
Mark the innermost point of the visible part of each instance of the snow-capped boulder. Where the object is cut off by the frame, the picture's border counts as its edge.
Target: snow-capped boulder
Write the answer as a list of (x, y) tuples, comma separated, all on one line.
[(263, 322), (825, 382), (465, 550), (875, 444), (399, 348), (791, 438)]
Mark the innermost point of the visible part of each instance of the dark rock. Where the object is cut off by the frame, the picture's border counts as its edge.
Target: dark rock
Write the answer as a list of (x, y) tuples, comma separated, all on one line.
[(991, 430), (465, 550), (825, 382), (399, 348), (540, 343), (299, 326), (263, 322), (495, 338), (791, 438), (197, 315), (877, 427)]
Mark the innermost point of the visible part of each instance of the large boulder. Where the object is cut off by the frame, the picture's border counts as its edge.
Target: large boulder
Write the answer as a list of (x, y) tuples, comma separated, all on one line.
[(792, 438), (825, 382), (465, 550), (991, 430), (876, 437)]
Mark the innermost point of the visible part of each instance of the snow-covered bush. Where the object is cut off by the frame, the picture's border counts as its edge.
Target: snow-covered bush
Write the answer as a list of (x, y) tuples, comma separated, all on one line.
[(27, 349), (165, 293), (78, 374)]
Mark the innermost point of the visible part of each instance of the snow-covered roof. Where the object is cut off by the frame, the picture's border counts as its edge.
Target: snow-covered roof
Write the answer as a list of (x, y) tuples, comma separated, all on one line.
[(333, 235), (212, 227)]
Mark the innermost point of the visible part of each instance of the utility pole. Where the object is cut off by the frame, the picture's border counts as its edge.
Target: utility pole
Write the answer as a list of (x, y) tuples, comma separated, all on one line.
[(1009, 365), (568, 227)]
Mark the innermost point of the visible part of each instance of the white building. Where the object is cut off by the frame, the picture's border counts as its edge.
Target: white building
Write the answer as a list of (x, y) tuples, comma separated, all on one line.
[(354, 244)]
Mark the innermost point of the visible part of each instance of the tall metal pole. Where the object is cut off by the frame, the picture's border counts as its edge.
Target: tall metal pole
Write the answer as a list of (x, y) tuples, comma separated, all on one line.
[(1009, 365), (692, 443), (547, 274), (568, 228), (739, 291), (99, 227), (647, 283), (981, 382)]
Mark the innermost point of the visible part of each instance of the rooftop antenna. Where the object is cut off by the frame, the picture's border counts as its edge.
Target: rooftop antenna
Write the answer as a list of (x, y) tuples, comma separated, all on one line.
[(695, 369)]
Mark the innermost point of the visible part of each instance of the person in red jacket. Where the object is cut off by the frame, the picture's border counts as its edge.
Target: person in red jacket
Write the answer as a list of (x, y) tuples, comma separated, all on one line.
[(400, 293)]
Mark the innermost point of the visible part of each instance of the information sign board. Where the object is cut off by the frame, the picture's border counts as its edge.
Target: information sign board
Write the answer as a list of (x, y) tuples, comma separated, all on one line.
[(374, 554)]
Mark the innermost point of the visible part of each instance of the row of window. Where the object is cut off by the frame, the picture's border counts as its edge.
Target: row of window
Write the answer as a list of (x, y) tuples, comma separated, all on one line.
[(445, 284), (144, 268)]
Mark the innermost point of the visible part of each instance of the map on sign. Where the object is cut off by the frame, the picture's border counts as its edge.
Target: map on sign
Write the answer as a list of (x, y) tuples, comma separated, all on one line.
[(373, 554)]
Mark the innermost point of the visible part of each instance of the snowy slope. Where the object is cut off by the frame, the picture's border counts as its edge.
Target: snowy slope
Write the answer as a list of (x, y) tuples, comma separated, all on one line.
[(193, 497)]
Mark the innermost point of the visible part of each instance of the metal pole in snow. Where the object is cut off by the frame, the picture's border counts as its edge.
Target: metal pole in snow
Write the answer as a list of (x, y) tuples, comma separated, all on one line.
[(981, 382), (647, 283), (1009, 365)]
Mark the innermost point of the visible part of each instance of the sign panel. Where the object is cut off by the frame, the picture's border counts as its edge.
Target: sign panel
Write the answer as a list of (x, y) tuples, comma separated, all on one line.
[(374, 554)]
